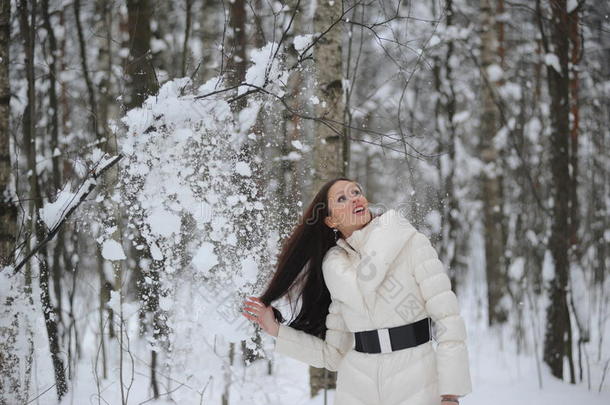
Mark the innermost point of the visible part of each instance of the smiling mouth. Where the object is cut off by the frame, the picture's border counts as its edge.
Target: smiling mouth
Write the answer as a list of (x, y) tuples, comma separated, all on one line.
[(359, 210)]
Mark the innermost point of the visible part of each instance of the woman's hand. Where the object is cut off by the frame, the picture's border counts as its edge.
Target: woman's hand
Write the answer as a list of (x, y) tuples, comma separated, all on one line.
[(263, 315)]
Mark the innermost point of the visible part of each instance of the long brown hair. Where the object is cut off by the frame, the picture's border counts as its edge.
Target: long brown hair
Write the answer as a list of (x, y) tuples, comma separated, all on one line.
[(299, 266)]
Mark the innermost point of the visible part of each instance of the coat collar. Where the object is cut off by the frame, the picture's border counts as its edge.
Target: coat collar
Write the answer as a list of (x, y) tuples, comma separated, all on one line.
[(353, 244), (373, 249)]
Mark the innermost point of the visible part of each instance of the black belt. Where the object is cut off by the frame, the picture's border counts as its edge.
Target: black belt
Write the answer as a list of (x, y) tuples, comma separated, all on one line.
[(387, 340)]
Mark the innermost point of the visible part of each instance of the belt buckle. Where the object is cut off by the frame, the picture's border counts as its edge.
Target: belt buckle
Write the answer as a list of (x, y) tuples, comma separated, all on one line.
[(384, 340)]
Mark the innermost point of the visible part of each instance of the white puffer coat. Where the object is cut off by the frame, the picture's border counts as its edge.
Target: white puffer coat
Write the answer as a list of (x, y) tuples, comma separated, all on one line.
[(383, 275)]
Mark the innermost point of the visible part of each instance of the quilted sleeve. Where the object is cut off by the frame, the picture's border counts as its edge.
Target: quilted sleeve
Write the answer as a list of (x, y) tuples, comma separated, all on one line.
[(442, 306), (312, 350)]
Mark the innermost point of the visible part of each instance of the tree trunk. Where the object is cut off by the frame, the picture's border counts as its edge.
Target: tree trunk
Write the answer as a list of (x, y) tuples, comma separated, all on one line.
[(207, 36), (28, 32), (8, 207), (491, 192), (330, 146), (187, 32), (143, 82), (289, 190), (446, 128), (107, 109), (139, 69), (236, 57), (575, 56), (12, 389), (557, 345), (88, 82), (55, 159)]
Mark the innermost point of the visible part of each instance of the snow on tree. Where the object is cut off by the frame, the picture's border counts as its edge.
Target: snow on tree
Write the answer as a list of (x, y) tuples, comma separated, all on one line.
[(184, 187)]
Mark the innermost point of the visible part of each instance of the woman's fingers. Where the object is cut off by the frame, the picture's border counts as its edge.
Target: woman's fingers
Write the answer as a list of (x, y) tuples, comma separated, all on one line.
[(252, 309), (251, 317), (255, 301)]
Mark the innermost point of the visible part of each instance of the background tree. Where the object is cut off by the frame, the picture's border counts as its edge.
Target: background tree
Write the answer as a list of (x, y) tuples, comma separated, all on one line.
[(558, 338)]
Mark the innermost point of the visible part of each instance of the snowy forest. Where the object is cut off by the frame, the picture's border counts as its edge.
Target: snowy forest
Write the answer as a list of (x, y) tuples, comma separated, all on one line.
[(155, 154)]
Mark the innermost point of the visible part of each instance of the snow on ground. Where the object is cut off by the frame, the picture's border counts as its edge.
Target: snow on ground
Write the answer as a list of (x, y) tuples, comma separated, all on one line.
[(499, 377), (502, 378)]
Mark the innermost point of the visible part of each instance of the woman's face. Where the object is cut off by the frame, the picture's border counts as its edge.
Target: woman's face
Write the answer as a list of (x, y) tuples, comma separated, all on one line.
[(348, 207)]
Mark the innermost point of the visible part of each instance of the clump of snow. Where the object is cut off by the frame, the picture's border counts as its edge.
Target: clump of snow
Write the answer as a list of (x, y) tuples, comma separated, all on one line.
[(114, 302), (266, 68), (511, 90), (243, 169), (301, 42), (248, 116), (249, 272), (112, 250), (460, 117), (572, 4), (494, 72), (434, 40), (500, 139), (548, 267), (53, 212), (433, 218), (163, 222), (155, 252), (205, 258), (516, 268), (552, 60)]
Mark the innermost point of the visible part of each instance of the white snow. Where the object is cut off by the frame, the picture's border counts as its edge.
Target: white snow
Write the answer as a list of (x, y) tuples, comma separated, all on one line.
[(112, 250), (155, 251), (552, 60), (104, 163), (163, 222), (460, 117), (264, 67), (516, 268), (548, 266), (572, 4), (494, 72), (52, 213), (243, 169), (434, 40), (302, 41), (249, 272), (205, 258)]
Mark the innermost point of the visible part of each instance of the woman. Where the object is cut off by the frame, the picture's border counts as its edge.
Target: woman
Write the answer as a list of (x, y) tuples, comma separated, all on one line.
[(370, 285)]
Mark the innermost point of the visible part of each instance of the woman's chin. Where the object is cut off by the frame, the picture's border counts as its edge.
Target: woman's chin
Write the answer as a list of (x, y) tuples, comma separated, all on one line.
[(362, 218)]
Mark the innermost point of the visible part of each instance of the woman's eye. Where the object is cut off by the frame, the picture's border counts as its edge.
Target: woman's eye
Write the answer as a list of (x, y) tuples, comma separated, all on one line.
[(340, 198)]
